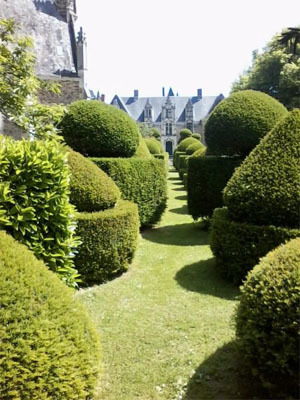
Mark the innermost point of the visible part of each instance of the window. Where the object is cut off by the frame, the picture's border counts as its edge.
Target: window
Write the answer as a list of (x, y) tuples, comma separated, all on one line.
[(168, 129), (168, 113), (148, 113), (189, 126)]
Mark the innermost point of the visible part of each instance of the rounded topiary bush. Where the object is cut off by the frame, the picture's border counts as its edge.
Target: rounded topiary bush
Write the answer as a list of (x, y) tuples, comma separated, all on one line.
[(49, 346), (267, 318), (153, 145), (265, 189), (238, 123), (200, 152), (194, 147), (96, 129), (184, 133), (185, 143), (91, 189), (142, 150), (196, 136)]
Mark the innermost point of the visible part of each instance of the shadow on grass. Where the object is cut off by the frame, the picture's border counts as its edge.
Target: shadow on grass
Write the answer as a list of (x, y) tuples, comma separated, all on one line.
[(177, 235), (179, 210), (203, 277), (183, 197)]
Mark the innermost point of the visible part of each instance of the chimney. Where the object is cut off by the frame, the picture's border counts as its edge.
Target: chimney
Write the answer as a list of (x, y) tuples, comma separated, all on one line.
[(199, 94), (136, 95), (163, 92), (103, 98)]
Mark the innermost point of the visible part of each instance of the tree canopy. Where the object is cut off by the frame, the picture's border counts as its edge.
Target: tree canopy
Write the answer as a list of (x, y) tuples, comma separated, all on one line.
[(276, 71)]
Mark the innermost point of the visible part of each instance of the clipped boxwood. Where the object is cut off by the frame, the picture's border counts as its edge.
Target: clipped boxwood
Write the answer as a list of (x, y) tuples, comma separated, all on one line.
[(90, 188), (194, 147), (34, 201), (207, 177), (176, 156), (153, 145), (265, 190), (196, 136), (142, 150), (49, 346), (267, 318), (239, 246), (109, 240), (237, 123), (97, 129), (141, 181), (184, 133), (185, 143), (199, 153)]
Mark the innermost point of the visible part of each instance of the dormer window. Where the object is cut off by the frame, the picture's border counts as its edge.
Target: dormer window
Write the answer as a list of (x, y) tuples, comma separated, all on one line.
[(169, 129), (168, 113), (148, 113)]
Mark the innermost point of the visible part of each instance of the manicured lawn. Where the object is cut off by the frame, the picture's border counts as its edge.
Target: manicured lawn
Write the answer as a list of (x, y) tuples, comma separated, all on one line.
[(166, 325)]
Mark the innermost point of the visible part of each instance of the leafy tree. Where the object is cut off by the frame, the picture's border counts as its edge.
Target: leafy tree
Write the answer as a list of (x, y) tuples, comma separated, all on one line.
[(19, 86), (276, 71)]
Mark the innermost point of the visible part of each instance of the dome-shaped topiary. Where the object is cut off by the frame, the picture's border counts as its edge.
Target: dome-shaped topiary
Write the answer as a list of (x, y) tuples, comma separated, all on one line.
[(265, 189), (184, 133), (196, 136), (96, 129), (200, 152), (238, 123), (267, 319), (153, 145), (185, 143), (49, 347), (194, 147), (91, 189)]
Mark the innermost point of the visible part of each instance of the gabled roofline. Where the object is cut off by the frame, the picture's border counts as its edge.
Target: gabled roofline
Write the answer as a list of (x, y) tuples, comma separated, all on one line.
[(120, 102)]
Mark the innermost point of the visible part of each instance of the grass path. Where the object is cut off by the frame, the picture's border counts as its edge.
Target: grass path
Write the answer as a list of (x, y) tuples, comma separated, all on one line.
[(166, 324)]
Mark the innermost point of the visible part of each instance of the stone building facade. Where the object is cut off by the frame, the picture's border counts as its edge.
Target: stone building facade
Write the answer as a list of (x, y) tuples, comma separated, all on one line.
[(169, 114), (60, 55)]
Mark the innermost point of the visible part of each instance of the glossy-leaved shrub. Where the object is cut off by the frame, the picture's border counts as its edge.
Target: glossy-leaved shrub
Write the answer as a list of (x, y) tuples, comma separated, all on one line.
[(238, 123), (153, 145), (141, 181), (49, 346), (34, 201), (265, 190), (90, 188), (267, 318), (97, 129), (109, 240)]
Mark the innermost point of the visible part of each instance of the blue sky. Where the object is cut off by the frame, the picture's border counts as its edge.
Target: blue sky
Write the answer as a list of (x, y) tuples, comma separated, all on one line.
[(144, 45)]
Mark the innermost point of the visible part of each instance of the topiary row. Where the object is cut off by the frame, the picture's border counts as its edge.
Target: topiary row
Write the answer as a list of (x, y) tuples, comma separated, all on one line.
[(154, 146), (49, 346), (140, 181)]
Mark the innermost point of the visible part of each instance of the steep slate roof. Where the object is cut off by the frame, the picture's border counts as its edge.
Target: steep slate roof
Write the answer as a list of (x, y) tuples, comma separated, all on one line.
[(54, 38), (135, 108)]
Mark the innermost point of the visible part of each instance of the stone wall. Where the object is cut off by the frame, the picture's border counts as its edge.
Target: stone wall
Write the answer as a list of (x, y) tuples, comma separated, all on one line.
[(71, 90)]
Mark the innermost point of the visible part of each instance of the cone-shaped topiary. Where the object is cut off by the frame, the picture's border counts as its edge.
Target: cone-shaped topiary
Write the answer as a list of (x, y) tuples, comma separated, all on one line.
[(96, 129), (91, 189), (265, 189), (194, 147), (49, 347), (153, 145), (185, 143), (267, 320), (142, 150), (238, 123)]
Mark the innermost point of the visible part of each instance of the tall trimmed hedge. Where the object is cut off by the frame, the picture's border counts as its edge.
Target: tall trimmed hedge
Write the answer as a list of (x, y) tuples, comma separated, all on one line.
[(34, 202), (141, 181), (238, 122), (49, 346), (207, 177), (267, 319), (266, 188), (91, 189), (109, 240), (97, 129)]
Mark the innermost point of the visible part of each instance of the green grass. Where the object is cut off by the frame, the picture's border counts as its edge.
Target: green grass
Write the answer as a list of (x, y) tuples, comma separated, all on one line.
[(166, 325)]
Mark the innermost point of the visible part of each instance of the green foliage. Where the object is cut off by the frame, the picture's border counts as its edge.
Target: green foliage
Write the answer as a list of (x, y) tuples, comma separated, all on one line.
[(185, 143), (276, 71), (199, 153), (99, 130), (182, 161), (194, 147), (165, 157), (238, 123), (90, 188), (267, 319), (19, 87), (184, 133), (49, 346), (196, 136), (140, 181), (109, 241), (176, 156), (207, 177), (239, 246), (34, 201), (265, 190), (142, 150), (153, 146), (155, 133)]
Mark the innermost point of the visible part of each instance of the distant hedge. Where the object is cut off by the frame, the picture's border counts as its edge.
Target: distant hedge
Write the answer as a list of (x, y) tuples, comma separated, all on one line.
[(238, 122), (91, 189), (141, 181), (239, 246), (96, 129), (207, 177), (176, 156), (196, 136), (49, 347), (153, 145), (109, 240), (184, 133), (194, 147), (267, 319), (186, 143), (142, 151)]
